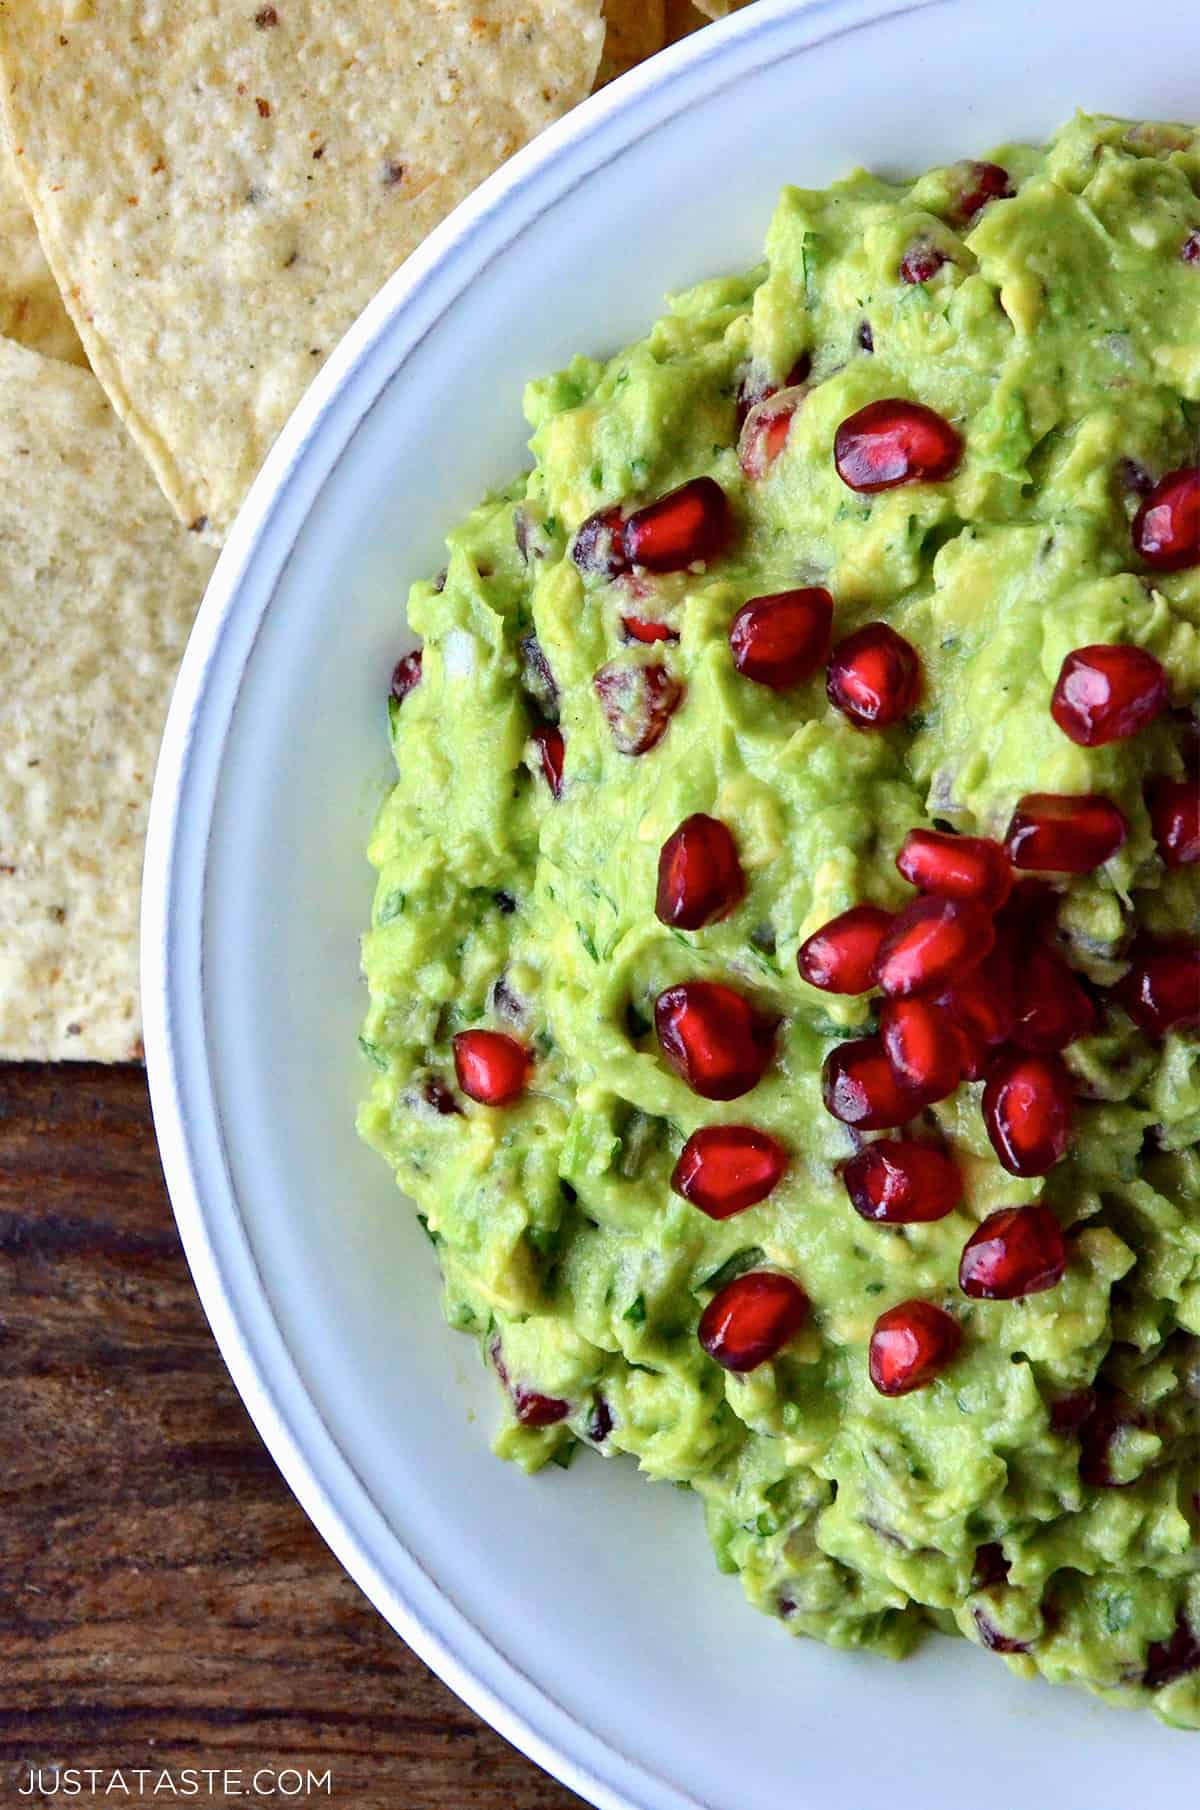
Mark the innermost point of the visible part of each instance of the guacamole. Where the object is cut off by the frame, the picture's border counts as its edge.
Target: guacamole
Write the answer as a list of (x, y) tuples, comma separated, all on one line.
[(783, 978)]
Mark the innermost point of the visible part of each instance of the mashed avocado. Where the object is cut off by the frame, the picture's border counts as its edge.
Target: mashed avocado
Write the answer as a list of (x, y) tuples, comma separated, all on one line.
[(577, 701)]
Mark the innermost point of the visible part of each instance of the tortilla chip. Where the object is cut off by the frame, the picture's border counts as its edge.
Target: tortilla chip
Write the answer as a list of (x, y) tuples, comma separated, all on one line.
[(31, 309), (98, 587), (220, 189), (635, 30)]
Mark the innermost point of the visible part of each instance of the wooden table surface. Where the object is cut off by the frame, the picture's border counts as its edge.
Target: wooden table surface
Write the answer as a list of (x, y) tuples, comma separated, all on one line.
[(164, 1603)]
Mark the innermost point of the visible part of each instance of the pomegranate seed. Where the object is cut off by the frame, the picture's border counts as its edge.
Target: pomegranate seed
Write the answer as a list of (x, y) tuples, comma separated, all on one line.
[(491, 1067), (548, 740), (1107, 1413), (688, 524), (840, 956), (860, 1087), (1189, 251), (638, 702), (1175, 1657), (601, 1423), (980, 183), (700, 878), (1107, 693), (956, 867), (921, 262), (1166, 529), (923, 1046), (1065, 834), (752, 392), (1175, 816), (781, 640), (637, 630), (537, 677), (1017, 1251), (765, 432), (991, 1566), (874, 676), (898, 1183), (713, 1038), (983, 1003), (406, 675), (723, 1169), (895, 442), (1027, 1108), (1052, 1008), (911, 1344), (436, 1094), (932, 943), (751, 1319), (532, 1409), (994, 1640), (1070, 1412), (599, 544), (1162, 988)]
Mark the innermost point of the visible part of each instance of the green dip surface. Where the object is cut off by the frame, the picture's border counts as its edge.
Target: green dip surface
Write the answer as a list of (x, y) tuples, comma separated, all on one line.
[(1059, 332)]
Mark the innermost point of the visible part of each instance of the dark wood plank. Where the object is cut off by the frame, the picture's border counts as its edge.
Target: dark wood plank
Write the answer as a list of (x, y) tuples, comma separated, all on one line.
[(163, 1600)]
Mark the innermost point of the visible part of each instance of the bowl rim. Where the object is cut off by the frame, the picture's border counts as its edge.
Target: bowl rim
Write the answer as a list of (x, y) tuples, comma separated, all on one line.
[(183, 1097)]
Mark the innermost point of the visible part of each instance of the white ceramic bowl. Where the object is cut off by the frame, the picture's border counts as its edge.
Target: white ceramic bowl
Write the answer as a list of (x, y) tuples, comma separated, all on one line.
[(580, 1613)]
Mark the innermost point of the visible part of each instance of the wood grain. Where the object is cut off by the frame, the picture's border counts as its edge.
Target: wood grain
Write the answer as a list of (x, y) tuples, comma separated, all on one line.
[(163, 1600)]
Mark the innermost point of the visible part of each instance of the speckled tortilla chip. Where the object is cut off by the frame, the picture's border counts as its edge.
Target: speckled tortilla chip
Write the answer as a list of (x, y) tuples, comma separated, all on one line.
[(220, 188), (634, 30), (31, 309), (98, 588)]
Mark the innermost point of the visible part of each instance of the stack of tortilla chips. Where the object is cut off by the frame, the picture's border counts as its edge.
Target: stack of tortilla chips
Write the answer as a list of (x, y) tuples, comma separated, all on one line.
[(195, 204)]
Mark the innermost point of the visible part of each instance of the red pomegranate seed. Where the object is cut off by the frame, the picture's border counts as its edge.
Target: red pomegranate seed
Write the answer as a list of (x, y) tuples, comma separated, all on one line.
[(932, 943), (921, 262), (911, 1344), (723, 1169), (1107, 693), (599, 543), (637, 630), (765, 432), (1052, 1008), (956, 867), (840, 956), (1190, 249), (688, 524), (979, 184), (895, 442), (491, 1067), (983, 1003), (923, 1046), (781, 640), (994, 1640), (898, 1183), (1166, 529), (1017, 1251), (1028, 1105), (1162, 988), (860, 1087), (436, 1094), (700, 878), (1107, 1413), (532, 1409), (751, 1319), (548, 740), (406, 675), (752, 390), (1173, 1658), (714, 1039), (991, 1566), (1065, 834), (1175, 816), (874, 677), (639, 702)]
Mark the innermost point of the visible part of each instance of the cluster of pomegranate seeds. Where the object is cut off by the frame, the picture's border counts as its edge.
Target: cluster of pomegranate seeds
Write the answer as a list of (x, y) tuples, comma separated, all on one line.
[(1175, 818), (1015, 1252), (921, 262), (638, 703), (714, 1039), (956, 867), (781, 640), (723, 1169), (548, 740), (406, 675), (1052, 832), (1166, 529), (491, 1067), (751, 1319), (911, 1344), (898, 1183), (840, 957), (895, 442), (1107, 693), (874, 677), (675, 531), (700, 878)]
